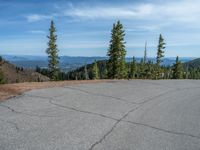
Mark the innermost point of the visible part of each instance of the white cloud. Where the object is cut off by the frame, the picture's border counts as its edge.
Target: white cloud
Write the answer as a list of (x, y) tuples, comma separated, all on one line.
[(182, 11), (110, 12), (37, 17), (177, 11), (144, 28), (37, 32)]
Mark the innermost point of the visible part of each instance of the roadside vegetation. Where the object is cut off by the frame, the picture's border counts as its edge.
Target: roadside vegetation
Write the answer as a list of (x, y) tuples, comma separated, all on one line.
[(2, 78), (10, 73), (115, 66)]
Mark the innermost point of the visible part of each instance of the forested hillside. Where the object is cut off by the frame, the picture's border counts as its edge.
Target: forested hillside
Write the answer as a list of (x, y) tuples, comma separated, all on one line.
[(192, 64), (9, 73), (136, 71)]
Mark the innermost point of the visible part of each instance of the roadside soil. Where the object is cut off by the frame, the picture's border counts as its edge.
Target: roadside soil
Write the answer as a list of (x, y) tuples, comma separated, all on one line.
[(11, 90)]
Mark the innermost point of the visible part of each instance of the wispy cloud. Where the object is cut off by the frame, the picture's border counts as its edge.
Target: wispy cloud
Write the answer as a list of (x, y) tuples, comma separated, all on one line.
[(182, 11), (144, 28), (37, 31), (109, 12), (90, 21), (176, 11), (37, 17)]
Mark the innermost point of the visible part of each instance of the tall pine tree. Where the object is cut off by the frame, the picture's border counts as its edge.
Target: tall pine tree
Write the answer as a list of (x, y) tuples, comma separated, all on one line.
[(160, 55), (133, 68), (86, 76), (177, 69), (52, 52), (145, 53), (95, 71), (105, 72), (116, 63), (142, 68)]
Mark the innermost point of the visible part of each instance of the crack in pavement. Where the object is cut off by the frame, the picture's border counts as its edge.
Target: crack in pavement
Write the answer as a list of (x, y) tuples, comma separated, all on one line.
[(12, 123), (51, 101), (115, 125), (146, 82), (23, 113), (82, 111), (135, 123), (97, 94), (163, 130), (144, 100), (141, 104), (104, 116), (119, 120), (132, 110)]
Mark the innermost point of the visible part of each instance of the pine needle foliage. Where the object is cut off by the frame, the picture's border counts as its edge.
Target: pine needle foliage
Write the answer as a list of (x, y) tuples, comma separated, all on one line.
[(177, 69), (52, 52), (116, 64), (95, 71), (160, 55)]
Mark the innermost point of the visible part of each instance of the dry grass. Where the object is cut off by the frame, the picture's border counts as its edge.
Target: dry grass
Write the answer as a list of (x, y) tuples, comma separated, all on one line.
[(10, 90)]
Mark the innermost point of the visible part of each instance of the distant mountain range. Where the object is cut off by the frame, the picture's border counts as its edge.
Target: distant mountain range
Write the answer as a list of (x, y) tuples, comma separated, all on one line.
[(68, 63)]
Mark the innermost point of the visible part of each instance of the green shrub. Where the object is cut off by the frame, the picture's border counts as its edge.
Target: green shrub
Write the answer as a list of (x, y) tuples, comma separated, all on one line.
[(2, 79), (1, 59)]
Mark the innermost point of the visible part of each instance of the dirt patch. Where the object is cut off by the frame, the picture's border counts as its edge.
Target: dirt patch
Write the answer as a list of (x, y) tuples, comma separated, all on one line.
[(10, 90)]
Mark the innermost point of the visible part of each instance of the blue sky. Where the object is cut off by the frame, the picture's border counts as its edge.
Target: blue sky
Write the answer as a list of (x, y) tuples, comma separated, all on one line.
[(84, 26)]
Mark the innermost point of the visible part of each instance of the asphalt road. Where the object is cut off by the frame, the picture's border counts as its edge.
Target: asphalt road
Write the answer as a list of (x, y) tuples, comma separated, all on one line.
[(122, 115)]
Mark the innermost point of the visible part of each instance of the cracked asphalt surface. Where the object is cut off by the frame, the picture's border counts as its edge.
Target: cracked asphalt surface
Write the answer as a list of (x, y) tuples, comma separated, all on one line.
[(119, 115)]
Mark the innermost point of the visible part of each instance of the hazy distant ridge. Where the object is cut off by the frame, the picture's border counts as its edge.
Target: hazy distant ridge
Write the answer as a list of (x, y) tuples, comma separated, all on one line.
[(70, 62)]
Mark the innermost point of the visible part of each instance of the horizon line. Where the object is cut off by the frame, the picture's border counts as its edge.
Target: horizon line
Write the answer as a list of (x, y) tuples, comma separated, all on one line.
[(93, 56)]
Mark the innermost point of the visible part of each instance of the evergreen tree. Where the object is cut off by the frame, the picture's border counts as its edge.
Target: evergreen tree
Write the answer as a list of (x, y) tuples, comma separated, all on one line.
[(116, 63), (133, 68), (160, 55), (149, 70), (95, 71), (1, 58), (160, 51), (86, 72), (105, 73), (52, 52), (142, 68), (145, 53), (143, 63), (187, 72), (177, 69), (2, 79)]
